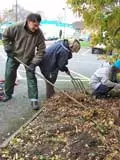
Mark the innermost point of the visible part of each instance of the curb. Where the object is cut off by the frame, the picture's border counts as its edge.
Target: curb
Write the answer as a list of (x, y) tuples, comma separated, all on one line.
[(5, 143)]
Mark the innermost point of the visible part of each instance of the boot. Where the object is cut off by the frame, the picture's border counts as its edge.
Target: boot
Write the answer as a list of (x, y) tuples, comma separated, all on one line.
[(35, 105), (6, 98), (49, 90)]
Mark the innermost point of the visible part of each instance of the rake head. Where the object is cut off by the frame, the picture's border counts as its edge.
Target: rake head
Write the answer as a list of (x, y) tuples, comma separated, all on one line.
[(78, 85)]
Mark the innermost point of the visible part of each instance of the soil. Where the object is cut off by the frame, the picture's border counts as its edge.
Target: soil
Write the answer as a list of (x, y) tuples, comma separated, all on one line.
[(65, 130)]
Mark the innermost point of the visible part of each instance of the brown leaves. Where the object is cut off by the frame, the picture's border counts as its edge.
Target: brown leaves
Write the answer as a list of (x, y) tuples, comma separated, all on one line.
[(67, 131)]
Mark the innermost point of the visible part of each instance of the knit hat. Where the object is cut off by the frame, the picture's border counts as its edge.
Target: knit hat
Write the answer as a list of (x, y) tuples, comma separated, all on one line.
[(34, 17), (117, 64)]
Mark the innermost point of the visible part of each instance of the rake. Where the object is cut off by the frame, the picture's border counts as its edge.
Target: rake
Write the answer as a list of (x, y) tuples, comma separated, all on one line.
[(65, 93), (78, 84)]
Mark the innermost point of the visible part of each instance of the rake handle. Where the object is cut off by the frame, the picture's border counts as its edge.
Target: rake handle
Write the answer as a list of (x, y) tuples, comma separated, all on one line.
[(71, 77), (62, 91)]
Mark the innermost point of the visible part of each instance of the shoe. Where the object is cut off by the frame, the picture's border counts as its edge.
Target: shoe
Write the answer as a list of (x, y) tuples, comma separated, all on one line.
[(102, 96), (35, 105), (6, 98)]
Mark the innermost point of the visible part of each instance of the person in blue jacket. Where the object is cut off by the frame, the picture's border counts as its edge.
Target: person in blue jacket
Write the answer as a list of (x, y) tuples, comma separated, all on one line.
[(55, 59)]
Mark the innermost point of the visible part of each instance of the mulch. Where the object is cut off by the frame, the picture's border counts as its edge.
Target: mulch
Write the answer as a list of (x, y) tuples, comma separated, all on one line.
[(67, 131)]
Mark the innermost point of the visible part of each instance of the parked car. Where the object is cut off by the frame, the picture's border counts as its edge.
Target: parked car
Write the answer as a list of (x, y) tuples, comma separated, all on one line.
[(98, 49), (101, 49), (51, 38)]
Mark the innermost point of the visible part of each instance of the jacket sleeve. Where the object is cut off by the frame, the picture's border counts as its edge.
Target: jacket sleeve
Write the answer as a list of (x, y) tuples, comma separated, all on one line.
[(40, 49), (63, 61), (106, 80), (8, 38)]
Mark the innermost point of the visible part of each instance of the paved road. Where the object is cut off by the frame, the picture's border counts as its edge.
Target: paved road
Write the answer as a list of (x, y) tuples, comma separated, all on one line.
[(18, 110)]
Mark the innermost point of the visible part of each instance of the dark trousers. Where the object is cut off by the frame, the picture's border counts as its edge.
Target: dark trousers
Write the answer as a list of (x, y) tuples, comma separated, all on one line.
[(10, 77), (50, 91), (102, 90)]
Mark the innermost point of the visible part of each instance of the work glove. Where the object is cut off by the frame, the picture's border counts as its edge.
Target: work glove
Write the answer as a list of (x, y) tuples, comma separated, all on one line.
[(9, 51), (67, 72), (10, 54), (31, 67)]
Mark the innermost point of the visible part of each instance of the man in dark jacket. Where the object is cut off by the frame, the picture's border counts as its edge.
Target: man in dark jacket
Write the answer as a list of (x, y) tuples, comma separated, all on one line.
[(55, 59), (26, 42)]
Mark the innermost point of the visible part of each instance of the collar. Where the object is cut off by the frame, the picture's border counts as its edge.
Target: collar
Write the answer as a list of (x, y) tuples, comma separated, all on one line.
[(65, 45)]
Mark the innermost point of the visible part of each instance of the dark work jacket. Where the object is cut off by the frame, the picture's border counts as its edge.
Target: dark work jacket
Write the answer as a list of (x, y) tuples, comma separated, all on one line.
[(19, 40), (56, 57)]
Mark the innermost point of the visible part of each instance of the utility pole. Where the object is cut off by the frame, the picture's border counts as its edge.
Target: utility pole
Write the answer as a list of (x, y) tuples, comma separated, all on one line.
[(118, 2), (16, 11), (64, 34)]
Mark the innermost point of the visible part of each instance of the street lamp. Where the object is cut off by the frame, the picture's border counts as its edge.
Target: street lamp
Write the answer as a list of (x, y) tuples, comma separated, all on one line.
[(64, 33), (16, 11), (118, 2)]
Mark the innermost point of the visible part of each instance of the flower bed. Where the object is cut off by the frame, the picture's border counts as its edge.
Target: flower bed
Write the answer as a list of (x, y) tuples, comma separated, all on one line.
[(67, 131)]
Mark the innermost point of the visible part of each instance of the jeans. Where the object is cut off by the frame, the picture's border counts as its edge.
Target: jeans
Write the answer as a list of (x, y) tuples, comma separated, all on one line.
[(10, 78), (52, 78), (102, 90)]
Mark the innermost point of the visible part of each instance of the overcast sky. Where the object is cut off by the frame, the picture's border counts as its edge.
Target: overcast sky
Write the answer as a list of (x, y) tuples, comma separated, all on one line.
[(51, 8)]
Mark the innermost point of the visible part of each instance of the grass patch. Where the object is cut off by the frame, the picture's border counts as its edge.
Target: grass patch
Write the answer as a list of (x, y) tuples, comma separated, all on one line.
[(85, 44), (1, 42)]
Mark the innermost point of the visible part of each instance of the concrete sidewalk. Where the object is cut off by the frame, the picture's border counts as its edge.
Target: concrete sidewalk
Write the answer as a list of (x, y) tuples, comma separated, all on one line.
[(17, 111)]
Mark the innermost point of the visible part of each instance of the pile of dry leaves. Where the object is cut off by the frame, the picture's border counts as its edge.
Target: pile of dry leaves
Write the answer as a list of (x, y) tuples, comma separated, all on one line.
[(68, 131)]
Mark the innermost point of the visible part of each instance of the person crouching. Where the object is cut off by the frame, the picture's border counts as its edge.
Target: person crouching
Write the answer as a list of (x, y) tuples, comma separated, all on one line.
[(104, 80)]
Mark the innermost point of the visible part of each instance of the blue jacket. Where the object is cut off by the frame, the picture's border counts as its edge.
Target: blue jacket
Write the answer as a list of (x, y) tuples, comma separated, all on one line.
[(56, 57)]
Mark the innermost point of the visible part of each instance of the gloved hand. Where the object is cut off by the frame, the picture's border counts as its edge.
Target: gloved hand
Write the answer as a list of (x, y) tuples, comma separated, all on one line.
[(117, 86), (9, 51), (10, 54), (67, 72), (31, 67)]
